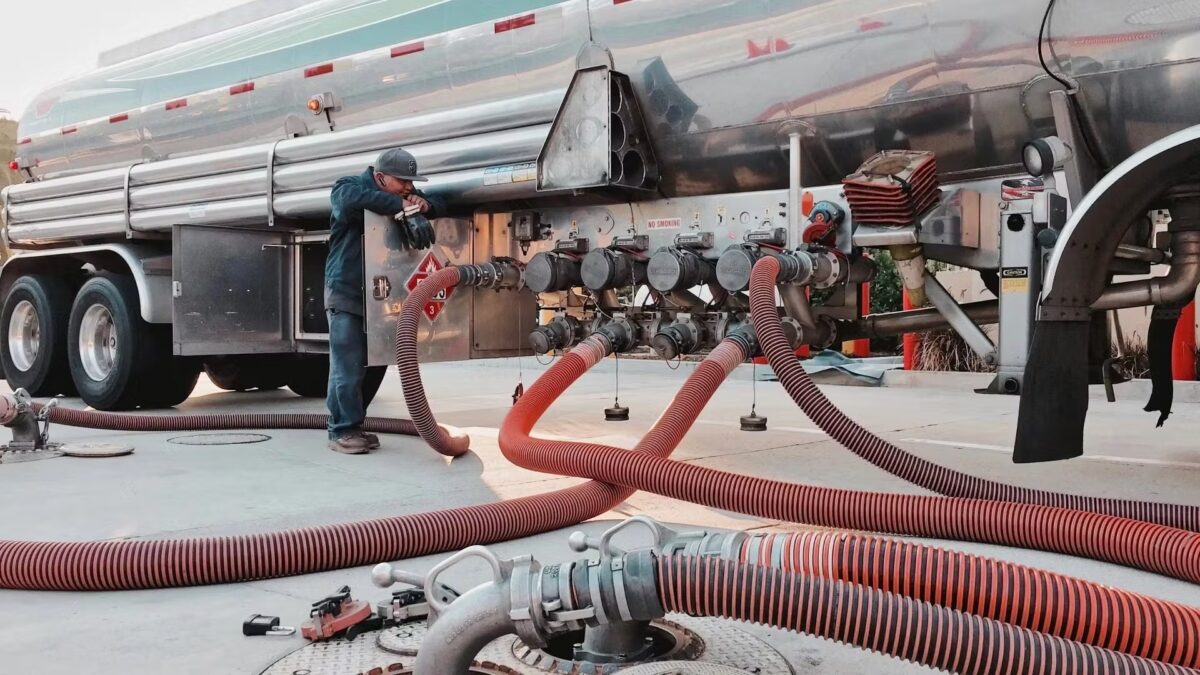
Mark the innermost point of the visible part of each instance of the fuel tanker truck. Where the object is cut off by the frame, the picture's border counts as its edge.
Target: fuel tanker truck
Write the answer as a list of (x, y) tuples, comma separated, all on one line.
[(617, 165)]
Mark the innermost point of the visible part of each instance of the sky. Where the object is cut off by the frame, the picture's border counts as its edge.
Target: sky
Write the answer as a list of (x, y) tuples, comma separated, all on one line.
[(52, 40)]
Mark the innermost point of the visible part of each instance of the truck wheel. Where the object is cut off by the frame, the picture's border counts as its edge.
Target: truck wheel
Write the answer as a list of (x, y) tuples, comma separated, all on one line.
[(243, 373), (34, 348), (310, 379), (109, 346), (310, 376), (176, 378), (372, 382)]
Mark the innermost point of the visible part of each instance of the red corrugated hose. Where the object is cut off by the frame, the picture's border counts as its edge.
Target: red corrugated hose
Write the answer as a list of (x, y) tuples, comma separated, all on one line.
[(914, 606), (1041, 601), (905, 465), (134, 564), (451, 443), (1146, 546), (872, 619)]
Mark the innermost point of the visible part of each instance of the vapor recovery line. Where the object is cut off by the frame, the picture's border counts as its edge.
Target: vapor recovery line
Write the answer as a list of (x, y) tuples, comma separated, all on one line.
[(1038, 600), (883, 622), (903, 464)]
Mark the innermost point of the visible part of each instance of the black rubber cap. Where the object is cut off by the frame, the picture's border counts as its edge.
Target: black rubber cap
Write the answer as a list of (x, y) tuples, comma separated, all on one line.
[(616, 414)]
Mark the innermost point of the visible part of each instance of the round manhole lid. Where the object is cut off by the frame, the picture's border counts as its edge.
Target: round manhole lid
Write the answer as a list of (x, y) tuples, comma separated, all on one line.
[(219, 439), (96, 449), (682, 668)]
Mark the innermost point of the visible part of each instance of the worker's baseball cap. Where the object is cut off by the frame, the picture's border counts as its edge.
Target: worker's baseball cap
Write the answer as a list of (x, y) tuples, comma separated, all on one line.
[(398, 163)]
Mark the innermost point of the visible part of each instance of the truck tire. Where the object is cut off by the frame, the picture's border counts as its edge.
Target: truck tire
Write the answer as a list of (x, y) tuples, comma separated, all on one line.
[(178, 374), (110, 348), (310, 376), (34, 345), (243, 373)]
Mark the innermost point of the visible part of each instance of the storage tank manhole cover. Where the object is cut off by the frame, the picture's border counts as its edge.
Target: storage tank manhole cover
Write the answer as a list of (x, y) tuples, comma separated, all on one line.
[(682, 668), (716, 648), (219, 439), (96, 450)]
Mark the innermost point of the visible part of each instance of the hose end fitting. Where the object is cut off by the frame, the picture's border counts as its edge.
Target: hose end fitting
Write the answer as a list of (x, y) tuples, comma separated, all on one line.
[(744, 335), (498, 274), (795, 267), (620, 332)]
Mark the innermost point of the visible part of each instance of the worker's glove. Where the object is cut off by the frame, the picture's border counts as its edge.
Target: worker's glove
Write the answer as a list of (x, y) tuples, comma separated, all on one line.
[(416, 232)]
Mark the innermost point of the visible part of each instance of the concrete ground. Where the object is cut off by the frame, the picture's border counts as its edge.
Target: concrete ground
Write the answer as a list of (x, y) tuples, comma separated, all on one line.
[(167, 490)]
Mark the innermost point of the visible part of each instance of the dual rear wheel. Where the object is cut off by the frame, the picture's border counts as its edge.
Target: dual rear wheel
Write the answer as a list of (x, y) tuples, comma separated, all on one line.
[(94, 343)]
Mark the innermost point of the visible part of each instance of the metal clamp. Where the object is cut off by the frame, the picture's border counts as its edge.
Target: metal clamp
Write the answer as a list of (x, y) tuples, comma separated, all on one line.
[(271, 184), (580, 542), (129, 234), (501, 570)]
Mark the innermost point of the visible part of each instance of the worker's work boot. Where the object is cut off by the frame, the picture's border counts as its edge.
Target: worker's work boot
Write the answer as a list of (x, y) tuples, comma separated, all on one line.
[(351, 444), (372, 440)]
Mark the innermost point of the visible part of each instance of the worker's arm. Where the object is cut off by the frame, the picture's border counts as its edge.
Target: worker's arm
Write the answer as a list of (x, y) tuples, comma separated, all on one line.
[(350, 195)]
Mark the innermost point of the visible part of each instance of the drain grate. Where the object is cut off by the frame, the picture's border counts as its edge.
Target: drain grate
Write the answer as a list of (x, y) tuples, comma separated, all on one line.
[(219, 439)]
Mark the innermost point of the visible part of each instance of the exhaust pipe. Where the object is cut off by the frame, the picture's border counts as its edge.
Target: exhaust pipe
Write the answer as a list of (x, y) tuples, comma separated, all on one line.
[(1178, 285)]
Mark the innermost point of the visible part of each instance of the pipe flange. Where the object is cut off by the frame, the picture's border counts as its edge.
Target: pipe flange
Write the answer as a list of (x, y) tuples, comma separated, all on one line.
[(831, 331), (831, 268)]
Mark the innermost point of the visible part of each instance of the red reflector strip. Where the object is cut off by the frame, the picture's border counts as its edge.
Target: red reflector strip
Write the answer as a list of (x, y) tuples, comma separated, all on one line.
[(241, 88), (515, 23), (318, 70), (620, 2), (25, 141), (410, 48), (68, 130), (118, 118), (177, 103)]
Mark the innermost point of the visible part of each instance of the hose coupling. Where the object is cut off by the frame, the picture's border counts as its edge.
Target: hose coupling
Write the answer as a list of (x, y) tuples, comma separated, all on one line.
[(796, 267), (745, 336), (621, 333), (498, 274), (561, 332)]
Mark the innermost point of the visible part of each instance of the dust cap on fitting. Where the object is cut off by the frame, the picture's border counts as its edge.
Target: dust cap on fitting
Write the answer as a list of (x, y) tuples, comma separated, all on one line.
[(399, 163)]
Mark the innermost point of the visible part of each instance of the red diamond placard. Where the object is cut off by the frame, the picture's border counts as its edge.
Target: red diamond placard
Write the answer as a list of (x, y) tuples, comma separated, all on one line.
[(428, 265)]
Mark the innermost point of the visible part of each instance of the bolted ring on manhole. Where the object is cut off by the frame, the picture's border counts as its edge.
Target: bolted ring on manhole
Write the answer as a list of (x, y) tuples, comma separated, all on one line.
[(219, 439)]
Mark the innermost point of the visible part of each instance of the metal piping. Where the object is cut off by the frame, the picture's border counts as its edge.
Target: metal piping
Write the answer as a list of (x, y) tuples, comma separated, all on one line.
[(1153, 256), (1179, 283), (958, 319), (796, 304), (794, 188), (478, 617), (685, 300), (915, 321)]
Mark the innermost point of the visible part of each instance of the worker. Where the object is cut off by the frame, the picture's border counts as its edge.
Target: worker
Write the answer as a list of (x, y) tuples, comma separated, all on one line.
[(387, 189)]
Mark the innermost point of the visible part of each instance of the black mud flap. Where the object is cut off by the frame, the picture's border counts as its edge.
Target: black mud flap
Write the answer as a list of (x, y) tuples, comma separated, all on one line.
[(1054, 401), (1158, 347)]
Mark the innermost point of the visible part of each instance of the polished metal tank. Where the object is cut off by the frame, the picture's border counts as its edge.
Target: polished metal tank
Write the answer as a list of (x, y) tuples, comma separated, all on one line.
[(721, 81)]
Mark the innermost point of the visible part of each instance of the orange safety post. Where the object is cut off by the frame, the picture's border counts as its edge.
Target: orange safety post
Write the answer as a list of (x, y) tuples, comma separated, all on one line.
[(910, 340), (1183, 347)]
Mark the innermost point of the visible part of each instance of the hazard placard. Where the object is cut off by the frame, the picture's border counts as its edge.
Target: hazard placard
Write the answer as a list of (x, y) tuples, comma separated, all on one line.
[(428, 265)]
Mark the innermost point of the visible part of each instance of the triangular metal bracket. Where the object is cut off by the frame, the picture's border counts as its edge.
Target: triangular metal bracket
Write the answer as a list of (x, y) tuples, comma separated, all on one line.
[(598, 138)]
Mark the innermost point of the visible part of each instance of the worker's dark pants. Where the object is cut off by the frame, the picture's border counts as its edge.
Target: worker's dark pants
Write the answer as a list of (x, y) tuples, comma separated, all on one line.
[(347, 371)]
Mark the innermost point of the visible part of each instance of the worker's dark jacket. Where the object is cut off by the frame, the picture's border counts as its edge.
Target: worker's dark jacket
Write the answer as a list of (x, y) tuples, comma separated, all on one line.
[(344, 268)]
